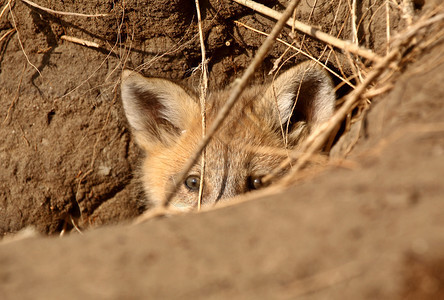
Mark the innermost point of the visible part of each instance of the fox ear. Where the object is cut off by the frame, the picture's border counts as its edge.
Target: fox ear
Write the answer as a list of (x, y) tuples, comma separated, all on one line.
[(157, 109), (302, 94)]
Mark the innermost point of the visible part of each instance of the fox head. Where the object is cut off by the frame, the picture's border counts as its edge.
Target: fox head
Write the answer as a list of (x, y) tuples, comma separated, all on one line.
[(165, 120)]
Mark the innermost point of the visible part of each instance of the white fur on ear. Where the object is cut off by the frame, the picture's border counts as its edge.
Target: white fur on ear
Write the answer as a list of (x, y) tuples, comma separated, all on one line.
[(129, 83), (285, 103), (325, 97), (304, 92), (154, 106)]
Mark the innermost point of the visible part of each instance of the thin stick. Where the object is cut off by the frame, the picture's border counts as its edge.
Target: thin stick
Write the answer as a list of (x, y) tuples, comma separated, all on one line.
[(19, 39), (354, 21), (62, 12), (313, 32), (203, 104), (94, 72), (299, 51), (79, 41), (412, 30), (7, 33), (234, 96), (355, 39), (315, 141), (4, 9), (160, 211), (74, 224), (376, 92), (387, 17)]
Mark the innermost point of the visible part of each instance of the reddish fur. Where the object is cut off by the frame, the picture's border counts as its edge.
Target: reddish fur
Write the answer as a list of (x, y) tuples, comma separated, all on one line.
[(233, 156)]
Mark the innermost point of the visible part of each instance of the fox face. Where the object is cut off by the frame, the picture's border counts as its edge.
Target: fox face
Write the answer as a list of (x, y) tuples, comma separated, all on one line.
[(165, 120)]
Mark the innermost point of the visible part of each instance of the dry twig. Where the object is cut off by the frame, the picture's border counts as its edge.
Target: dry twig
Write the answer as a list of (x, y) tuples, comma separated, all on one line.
[(19, 39), (6, 34), (4, 9), (203, 97), (79, 41), (313, 32), (355, 38), (299, 50), (387, 17), (62, 12), (318, 138), (93, 73), (234, 96)]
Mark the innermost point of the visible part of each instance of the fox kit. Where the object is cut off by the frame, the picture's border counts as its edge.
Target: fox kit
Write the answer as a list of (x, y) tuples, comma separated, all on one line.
[(165, 120)]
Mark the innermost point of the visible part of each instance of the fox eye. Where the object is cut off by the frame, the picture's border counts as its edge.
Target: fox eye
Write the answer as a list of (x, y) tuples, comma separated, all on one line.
[(192, 182), (255, 182)]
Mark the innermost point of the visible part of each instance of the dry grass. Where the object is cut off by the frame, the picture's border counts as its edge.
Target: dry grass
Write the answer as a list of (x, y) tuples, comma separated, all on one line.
[(63, 13), (375, 80), (203, 99)]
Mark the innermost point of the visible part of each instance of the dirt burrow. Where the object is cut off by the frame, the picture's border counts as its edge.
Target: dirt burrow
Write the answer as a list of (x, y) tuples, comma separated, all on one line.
[(368, 229), (66, 152)]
